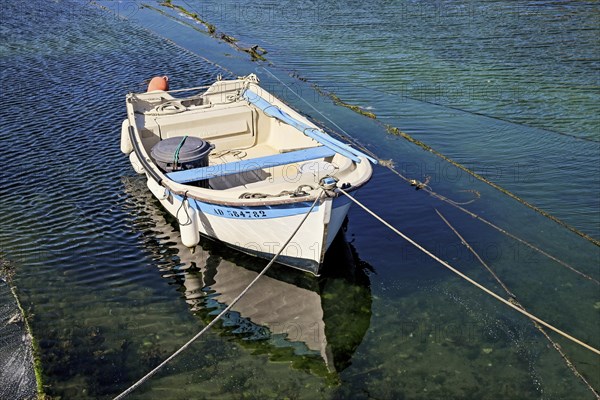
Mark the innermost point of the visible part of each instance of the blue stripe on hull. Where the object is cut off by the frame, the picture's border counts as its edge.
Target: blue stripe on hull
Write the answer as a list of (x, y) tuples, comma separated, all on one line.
[(262, 212), (259, 212)]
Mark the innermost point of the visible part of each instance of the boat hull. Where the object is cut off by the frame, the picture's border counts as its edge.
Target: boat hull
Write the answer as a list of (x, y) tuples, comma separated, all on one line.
[(262, 230)]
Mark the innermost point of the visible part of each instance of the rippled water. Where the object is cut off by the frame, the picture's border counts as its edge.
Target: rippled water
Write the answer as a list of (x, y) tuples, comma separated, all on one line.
[(510, 80), (112, 292), (533, 62)]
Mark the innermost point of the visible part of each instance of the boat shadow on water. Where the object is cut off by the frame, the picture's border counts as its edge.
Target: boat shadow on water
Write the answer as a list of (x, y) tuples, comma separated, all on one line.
[(315, 323)]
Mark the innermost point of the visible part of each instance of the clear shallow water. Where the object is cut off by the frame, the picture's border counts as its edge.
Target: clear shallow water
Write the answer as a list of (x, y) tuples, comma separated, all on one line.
[(535, 63), (112, 291), (532, 68)]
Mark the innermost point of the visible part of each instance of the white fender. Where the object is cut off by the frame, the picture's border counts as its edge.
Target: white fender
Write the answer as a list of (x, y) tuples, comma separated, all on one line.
[(136, 163), (126, 145), (188, 225)]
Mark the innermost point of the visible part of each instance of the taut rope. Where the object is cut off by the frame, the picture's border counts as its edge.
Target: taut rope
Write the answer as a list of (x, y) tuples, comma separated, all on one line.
[(471, 281)]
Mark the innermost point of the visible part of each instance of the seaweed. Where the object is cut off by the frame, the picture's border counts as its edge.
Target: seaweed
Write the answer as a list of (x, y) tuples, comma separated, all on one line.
[(256, 52), (339, 102), (7, 273)]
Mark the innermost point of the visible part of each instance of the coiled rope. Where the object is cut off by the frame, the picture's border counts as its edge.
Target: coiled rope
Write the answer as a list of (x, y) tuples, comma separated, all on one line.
[(225, 311), (471, 281)]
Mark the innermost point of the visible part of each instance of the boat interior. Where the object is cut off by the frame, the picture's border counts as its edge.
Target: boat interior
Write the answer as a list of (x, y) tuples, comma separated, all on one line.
[(254, 154)]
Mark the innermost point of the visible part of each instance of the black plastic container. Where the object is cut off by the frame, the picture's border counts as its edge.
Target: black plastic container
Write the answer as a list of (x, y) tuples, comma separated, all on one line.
[(193, 153)]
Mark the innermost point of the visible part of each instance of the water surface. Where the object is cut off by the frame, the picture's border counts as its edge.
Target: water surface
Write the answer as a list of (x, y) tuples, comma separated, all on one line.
[(498, 86), (112, 291)]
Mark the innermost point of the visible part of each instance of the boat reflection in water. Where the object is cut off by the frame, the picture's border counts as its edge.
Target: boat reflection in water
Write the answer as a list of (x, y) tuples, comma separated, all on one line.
[(314, 323)]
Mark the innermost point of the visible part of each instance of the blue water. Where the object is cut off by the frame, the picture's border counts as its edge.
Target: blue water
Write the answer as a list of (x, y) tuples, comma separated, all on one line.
[(111, 291), (534, 63), (533, 69)]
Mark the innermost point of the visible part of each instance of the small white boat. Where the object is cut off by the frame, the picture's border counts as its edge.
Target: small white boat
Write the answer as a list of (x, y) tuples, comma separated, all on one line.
[(234, 163)]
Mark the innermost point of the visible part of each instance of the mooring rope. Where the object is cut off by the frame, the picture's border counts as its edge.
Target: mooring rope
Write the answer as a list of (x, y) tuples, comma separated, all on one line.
[(431, 192), (505, 232), (427, 189), (514, 300), (471, 281), (398, 132), (449, 201), (472, 250), (225, 311)]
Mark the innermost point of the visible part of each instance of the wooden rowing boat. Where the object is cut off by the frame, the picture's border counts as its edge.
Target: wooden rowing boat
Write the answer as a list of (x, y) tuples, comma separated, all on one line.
[(232, 162)]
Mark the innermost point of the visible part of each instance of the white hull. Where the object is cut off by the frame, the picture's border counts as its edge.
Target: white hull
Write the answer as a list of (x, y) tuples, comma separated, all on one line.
[(264, 236)]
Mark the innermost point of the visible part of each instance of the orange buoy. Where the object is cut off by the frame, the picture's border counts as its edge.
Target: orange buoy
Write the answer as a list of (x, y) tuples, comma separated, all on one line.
[(158, 83)]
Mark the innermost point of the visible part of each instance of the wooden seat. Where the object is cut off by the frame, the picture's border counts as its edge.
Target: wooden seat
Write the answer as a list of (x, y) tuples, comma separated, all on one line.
[(236, 167)]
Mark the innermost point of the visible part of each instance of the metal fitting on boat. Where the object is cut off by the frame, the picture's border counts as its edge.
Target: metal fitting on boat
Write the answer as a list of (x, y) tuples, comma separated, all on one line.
[(328, 182)]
